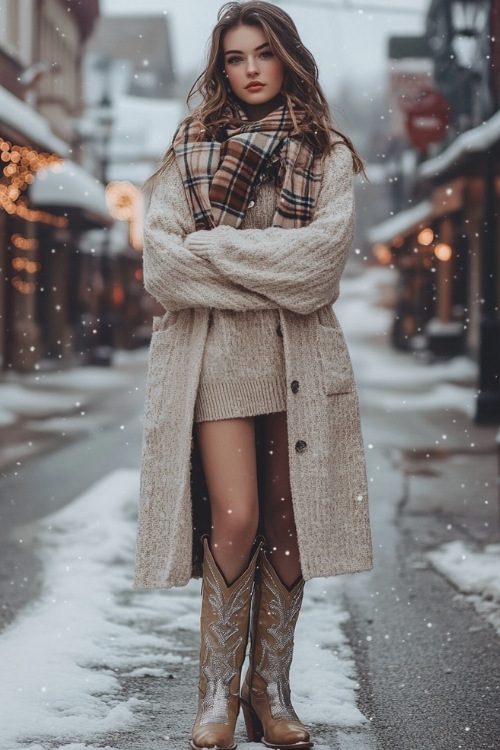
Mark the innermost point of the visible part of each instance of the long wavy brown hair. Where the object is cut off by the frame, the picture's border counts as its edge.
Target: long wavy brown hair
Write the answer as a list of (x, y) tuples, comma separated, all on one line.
[(301, 88)]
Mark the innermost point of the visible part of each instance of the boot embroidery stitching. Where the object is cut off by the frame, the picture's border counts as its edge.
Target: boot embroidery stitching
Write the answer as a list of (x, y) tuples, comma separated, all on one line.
[(274, 665), (219, 663)]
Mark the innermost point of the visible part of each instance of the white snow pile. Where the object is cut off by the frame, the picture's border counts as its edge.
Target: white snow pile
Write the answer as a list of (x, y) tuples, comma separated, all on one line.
[(475, 573), (88, 378), (41, 395), (17, 401), (62, 656)]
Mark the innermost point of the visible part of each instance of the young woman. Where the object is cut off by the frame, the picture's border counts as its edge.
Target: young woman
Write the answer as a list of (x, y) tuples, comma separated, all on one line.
[(253, 470)]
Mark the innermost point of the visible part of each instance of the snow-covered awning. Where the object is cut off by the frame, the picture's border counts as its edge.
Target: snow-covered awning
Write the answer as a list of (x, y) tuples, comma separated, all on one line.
[(23, 118), (401, 223), (68, 185), (476, 140)]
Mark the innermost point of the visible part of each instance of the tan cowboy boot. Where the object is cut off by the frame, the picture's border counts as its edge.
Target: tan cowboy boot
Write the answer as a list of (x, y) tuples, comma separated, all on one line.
[(225, 612), (265, 696)]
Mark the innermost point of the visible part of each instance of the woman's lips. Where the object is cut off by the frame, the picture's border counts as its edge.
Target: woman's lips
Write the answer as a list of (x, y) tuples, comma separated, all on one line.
[(254, 86)]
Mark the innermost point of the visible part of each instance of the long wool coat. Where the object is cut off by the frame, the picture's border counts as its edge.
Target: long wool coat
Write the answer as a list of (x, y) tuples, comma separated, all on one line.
[(296, 271)]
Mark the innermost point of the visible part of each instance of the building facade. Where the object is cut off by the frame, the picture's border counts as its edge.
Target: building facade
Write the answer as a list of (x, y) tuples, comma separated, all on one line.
[(41, 44), (444, 242)]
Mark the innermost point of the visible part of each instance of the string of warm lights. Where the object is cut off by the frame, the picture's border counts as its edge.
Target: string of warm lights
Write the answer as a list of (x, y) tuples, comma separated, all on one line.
[(25, 264), (42, 217), (25, 287), (425, 238), (21, 164), (23, 243)]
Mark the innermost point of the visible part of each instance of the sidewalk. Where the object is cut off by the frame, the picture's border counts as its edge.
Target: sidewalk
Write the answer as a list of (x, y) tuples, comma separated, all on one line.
[(421, 416), (42, 411)]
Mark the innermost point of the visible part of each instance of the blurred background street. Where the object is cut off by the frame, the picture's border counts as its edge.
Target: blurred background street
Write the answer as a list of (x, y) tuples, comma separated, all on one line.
[(406, 656)]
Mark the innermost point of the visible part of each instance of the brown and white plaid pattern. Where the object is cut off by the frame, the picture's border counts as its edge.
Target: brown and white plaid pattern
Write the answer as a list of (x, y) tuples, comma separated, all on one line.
[(220, 177)]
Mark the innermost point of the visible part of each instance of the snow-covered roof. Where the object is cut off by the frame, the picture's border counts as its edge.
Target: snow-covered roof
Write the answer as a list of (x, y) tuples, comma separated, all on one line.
[(68, 184), (25, 119), (401, 223), (476, 140)]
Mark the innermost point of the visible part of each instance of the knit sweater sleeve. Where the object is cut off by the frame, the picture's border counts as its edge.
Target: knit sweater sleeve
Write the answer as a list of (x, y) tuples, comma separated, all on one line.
[(173, 274), (299, 269)]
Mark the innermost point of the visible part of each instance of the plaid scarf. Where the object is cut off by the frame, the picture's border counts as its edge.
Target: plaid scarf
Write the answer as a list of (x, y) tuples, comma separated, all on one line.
[(220, 177)]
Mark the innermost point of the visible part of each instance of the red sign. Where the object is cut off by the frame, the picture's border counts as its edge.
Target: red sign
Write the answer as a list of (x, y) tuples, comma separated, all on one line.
[(427, 118)]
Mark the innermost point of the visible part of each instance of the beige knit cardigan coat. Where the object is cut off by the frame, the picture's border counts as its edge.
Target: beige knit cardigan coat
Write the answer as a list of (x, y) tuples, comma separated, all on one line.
[(297, 272)]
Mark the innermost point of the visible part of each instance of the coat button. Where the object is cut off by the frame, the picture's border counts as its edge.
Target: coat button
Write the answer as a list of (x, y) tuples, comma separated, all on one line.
[(300, 446), (279, 332), (294, 385)]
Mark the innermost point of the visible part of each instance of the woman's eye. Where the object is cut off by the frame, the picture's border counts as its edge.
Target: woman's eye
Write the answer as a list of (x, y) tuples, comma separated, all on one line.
[(234, 59), (266, 54)]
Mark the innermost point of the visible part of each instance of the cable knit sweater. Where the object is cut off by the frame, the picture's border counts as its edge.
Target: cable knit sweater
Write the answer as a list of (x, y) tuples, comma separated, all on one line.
[(243, 367), (295, 274)]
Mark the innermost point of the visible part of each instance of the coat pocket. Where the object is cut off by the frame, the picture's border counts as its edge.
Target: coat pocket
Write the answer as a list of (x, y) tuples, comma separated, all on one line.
[(336, 366)]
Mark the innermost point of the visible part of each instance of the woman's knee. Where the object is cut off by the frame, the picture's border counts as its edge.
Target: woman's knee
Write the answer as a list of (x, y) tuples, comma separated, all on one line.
[(236, 520)]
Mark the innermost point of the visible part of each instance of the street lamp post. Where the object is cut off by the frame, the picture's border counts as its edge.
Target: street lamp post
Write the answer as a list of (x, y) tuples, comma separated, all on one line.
[(103, 353), (457, 32)]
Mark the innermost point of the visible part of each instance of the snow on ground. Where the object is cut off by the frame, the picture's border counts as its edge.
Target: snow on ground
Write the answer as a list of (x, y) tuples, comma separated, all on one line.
[(42, 395), (69, 424), (475, 573), (17, 401), (61, 656), (89, 378), (7, 417)]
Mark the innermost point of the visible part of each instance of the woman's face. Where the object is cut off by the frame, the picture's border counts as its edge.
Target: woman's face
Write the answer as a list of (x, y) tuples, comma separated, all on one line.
[(254, 73)]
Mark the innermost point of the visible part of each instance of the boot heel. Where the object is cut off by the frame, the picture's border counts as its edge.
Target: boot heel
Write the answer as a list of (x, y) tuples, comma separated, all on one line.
[(253, 724)]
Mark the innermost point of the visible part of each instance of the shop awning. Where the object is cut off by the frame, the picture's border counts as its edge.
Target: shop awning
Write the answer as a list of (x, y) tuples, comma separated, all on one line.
[(476, 140), (68, 185), (402, 223), (25, 120)]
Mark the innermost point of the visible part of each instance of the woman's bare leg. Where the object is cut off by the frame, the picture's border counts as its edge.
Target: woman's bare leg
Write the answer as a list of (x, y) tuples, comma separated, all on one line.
[(228, 455), (279, 522)]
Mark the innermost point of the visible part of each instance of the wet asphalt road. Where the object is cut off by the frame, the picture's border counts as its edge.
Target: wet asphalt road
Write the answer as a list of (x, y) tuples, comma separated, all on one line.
[(428, 665)]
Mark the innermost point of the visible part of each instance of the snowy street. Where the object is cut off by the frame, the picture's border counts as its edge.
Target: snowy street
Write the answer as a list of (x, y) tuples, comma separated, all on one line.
[(405, 657)]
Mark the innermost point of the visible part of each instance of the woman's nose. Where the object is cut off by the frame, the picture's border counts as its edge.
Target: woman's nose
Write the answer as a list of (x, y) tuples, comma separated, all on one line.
[(252, 66)]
